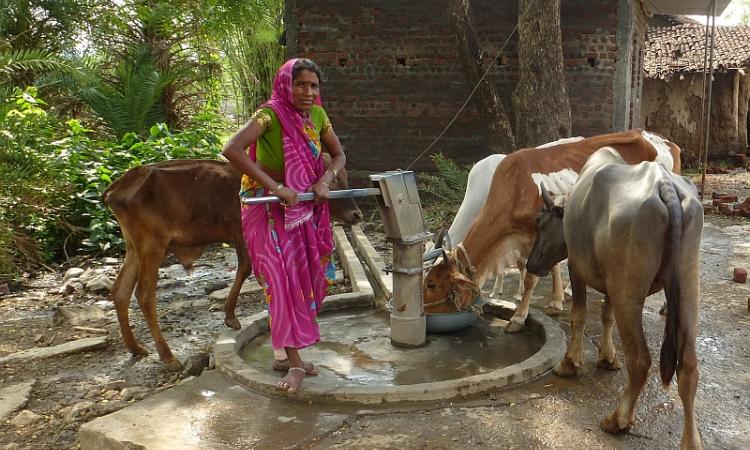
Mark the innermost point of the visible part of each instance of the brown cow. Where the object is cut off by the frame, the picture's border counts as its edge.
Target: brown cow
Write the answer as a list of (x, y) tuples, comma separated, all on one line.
[(180, 206), (506, 222)]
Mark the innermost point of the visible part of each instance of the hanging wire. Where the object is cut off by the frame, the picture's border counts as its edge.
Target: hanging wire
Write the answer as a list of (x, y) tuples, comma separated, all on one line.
[(471, 94)]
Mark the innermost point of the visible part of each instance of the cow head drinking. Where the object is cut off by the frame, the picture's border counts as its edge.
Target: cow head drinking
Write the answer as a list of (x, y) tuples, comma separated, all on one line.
[(549, 247), (449, 285), (344, 209)]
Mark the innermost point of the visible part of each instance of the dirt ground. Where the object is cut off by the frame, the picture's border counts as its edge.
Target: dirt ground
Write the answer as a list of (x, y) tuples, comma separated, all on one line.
[(95, 382)]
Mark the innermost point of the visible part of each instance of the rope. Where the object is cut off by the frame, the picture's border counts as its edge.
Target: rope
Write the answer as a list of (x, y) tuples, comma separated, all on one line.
[(471, 94)]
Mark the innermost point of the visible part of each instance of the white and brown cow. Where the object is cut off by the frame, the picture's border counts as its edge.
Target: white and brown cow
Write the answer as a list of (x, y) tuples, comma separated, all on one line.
[(477, 190), (506, 222), (628, 231)]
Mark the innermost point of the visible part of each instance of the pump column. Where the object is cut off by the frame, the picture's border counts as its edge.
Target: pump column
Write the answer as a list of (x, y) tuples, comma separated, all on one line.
[(403, 222)]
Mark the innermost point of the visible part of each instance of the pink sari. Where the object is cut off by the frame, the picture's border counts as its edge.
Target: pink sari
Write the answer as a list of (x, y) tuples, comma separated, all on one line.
[(291, 247)]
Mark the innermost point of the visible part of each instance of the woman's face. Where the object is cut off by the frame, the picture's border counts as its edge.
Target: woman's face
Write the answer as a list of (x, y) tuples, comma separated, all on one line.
[(305, 90)]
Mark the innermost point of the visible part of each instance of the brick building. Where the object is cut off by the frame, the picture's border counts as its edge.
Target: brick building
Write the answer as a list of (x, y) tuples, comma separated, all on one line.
[(393, 78)]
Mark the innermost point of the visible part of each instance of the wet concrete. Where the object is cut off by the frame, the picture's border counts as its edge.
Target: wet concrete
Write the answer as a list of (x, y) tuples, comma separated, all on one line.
[(549, 412), (355, 349)]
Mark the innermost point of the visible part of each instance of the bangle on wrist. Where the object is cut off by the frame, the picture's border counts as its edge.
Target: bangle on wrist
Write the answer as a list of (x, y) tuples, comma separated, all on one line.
[(334, 171), (278, 187), (323, 183)]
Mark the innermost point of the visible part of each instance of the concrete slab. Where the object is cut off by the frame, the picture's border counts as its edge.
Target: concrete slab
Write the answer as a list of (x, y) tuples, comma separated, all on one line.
[(374, 262), (352, 266), (13, 398), (80, 345), (208, 413), (341, 382)]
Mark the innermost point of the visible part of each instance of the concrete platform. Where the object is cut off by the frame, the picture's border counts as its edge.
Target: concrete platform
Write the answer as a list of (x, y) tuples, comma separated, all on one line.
[(209, 413), (381, 388)]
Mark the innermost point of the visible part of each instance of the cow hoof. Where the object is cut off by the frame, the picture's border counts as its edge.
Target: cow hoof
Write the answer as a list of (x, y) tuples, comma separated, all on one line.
[(604, 363), (565, 369), (611, 426), (232, 323), (138, 350), (513, 327), (552, 311), (173, 365)]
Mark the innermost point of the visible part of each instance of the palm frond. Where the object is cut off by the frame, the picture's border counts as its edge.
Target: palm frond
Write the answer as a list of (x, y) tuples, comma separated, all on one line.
[(13, 62)]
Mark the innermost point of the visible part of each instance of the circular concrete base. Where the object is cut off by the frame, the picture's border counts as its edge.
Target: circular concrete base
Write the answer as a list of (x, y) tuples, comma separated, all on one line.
[(231, 342)]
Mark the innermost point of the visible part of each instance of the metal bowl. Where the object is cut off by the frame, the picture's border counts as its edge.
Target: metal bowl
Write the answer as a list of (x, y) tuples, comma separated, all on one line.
[(450, 322)]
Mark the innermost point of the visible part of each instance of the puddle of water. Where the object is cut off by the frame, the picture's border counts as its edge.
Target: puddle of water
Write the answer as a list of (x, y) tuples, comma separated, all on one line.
[(355, 348)]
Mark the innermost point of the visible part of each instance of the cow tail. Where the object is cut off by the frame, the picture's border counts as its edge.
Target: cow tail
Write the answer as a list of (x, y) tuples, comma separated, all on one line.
[(671, 281)]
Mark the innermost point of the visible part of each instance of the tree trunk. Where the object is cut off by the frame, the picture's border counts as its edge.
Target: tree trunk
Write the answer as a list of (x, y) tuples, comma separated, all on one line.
[(499, 132), (540, 101)]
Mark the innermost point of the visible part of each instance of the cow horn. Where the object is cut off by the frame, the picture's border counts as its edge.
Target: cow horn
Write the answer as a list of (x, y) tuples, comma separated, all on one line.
[(446, 259), (439, 238), (548, 202)]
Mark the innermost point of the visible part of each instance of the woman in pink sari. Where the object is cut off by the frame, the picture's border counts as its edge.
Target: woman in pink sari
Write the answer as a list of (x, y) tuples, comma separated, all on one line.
[(279, 153)]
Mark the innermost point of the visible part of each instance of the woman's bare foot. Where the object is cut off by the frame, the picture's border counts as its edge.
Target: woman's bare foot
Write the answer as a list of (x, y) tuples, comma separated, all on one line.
[(293, 380), (282, 365)]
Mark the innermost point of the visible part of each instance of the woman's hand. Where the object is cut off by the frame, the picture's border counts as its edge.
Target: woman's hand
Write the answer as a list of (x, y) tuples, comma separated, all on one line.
[(320, 188), (287, 195)]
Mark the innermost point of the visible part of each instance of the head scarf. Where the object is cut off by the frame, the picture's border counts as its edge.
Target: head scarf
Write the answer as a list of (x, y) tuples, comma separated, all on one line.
[(303, 165)]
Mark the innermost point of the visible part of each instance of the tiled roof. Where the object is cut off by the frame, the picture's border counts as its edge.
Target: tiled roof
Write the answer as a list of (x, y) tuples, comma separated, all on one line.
[(681, 49)]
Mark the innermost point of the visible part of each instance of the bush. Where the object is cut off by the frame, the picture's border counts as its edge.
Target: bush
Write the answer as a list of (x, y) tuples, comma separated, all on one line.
[(444, 192), (52, 176)]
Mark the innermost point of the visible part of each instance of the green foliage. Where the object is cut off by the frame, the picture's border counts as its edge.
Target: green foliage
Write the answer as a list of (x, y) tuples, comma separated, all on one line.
[(31, 192), (444, 192), (153, 64), (132, 100), (248, 34), (52, 176)]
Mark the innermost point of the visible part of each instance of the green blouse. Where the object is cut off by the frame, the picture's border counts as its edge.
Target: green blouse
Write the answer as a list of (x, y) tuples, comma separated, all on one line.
[(269, 150)]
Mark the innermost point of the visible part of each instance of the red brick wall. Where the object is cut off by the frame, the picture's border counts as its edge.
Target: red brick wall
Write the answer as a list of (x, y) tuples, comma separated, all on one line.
[(393, 79)]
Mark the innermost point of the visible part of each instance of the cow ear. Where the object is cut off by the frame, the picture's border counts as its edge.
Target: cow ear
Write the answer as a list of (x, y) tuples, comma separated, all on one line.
[(446, 262), (548, 202)]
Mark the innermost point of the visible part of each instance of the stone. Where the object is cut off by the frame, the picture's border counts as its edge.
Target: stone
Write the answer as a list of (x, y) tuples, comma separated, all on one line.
[(93, 393), (247, 288), (25, 418), (201, 303), (115, 385), (134, 393), (4, 289), (66, 289), (195, 364), (80, 345), (77, 411), (109, 261), (78, 315), (100, 283), (73, 272), (740, 275), (12, 446), (173, 271), (744, 208), (110, 395), (87, 275), (14, 397)]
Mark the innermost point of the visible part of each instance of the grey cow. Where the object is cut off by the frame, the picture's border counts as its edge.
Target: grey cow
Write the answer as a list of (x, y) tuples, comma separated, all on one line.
[(628, 231)]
